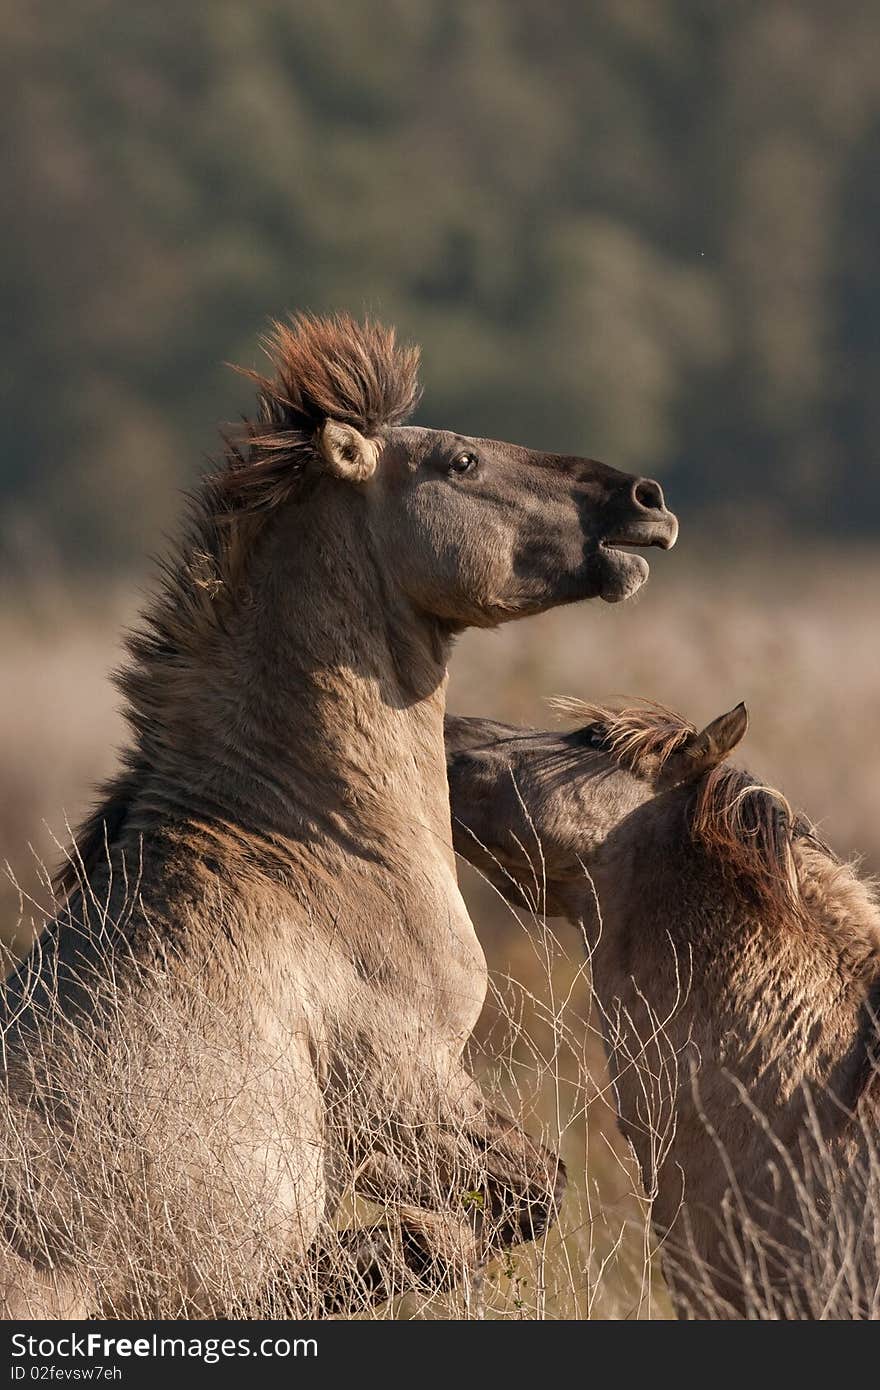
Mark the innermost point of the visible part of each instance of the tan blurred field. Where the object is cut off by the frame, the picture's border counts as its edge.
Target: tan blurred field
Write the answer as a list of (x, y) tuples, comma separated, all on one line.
[(794, 635)]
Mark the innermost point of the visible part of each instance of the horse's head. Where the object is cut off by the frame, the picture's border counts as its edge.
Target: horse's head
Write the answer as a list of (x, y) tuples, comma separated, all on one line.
[(540, 813), (469, 531), (477, 531)]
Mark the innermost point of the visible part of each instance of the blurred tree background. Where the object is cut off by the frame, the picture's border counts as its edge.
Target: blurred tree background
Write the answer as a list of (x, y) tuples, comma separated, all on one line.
[(641, 229)]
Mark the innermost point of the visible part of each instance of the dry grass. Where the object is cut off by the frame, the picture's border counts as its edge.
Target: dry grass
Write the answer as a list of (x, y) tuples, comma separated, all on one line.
[(794, 637), (133, 1184)]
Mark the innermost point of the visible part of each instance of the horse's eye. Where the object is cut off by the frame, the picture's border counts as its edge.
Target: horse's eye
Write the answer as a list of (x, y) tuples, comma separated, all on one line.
[(463, 463)]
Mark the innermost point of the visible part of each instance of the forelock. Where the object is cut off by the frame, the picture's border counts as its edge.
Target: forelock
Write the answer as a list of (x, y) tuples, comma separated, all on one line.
[(337, 368), (322, 368)]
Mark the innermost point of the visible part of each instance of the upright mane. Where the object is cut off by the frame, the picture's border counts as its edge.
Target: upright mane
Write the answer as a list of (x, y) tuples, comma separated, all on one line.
[(321, 368), (749, 827), (641, 737)]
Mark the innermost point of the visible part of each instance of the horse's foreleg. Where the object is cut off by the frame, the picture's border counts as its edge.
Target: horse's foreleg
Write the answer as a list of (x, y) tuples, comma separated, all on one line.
[(511, 1183), (523, 1181), (350, 1271), (413, 1252), (458, 1189), (482, 1168)]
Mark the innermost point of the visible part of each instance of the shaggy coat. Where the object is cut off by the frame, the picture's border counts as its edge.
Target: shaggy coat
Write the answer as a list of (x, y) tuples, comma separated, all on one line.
[(258, 989), (736, 963)]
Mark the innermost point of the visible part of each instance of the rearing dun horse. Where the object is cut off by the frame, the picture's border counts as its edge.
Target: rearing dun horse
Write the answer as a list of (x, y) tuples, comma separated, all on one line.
[(262, 978)]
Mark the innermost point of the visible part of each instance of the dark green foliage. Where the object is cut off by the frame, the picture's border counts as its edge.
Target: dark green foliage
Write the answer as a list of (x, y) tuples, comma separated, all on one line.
[(645, 230)]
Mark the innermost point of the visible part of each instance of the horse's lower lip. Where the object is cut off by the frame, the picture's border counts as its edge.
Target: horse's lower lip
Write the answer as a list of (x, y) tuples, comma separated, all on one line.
[(623, 574), (663, 533)]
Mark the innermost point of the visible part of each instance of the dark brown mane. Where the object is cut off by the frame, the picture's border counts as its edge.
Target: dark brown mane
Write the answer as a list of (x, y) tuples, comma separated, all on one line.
[(749, 827), (321, 368), (752, 830)]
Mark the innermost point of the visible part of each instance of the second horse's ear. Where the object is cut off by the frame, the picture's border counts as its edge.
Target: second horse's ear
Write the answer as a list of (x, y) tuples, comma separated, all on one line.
[(346, 452), (701, 752)]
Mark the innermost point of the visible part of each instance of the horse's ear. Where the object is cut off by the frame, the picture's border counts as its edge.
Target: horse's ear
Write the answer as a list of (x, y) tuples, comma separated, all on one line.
[(701, 752), (346, 452)]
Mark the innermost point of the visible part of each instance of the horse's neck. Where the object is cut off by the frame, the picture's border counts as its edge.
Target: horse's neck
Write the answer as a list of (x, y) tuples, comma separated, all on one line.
[(321, 711)]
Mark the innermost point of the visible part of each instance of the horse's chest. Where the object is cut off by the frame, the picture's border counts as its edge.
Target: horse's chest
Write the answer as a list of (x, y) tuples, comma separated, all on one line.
[(453, 962), (416, 958)]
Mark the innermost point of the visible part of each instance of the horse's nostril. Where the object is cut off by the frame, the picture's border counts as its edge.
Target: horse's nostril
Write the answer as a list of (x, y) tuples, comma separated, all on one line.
[(646, 493)]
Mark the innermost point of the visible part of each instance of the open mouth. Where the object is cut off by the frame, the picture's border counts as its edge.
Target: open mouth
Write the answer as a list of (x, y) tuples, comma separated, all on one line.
[(623, 573)]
